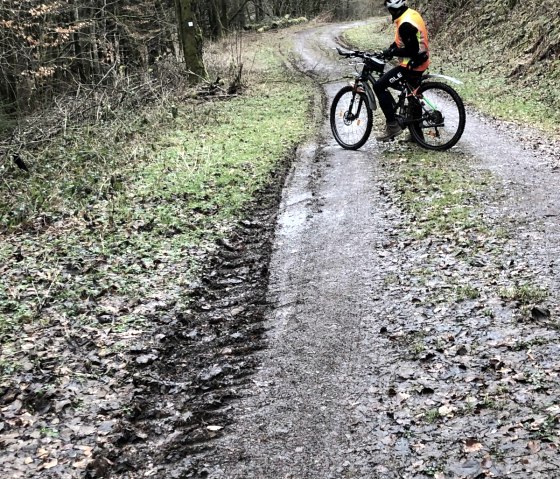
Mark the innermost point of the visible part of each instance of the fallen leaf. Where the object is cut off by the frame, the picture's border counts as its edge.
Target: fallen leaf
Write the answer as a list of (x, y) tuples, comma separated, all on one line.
[(446, 410), (50, 464), (42, 453), (81, 464), (534, 446), (86, 450), (402, 397), (472, 445)]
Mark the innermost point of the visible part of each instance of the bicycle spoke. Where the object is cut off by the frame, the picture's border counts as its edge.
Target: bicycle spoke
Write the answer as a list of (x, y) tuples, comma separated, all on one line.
[(351, 118), (443, 117)]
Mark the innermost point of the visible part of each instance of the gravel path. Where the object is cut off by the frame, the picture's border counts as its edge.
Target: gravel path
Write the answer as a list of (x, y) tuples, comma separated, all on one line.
[(361, 378)]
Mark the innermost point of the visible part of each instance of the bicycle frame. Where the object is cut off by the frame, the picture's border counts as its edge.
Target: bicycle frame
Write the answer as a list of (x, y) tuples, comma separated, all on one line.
[(413, 108), (406, 92), (365, 80)]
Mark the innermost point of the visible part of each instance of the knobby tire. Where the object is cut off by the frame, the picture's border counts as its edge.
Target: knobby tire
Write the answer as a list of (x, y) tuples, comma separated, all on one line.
[(419, 133), (337, 112)]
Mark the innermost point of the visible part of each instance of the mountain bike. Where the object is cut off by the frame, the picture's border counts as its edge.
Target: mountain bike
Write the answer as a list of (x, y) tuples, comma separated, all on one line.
[(432, 110)]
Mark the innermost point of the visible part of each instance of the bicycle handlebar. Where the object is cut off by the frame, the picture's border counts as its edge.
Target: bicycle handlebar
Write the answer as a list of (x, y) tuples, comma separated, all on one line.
[(360, 54)]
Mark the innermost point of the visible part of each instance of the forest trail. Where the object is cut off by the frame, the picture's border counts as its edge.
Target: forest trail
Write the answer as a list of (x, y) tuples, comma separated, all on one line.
[(375, 314), (363, 378)]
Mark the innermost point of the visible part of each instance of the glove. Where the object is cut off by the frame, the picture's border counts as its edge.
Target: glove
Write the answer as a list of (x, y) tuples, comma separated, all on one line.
[(388, 53)]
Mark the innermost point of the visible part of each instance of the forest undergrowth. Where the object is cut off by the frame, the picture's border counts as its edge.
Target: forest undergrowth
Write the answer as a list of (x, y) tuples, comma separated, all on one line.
[(109, 228), (107, 232)]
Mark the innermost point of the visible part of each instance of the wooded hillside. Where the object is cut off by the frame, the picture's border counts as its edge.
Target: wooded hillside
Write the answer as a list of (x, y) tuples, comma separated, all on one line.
[(101, 55), (53, 46), (522, 37)]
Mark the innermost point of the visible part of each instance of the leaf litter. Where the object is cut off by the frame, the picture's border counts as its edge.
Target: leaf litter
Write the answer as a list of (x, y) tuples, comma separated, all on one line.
[(100, 400), (477, 377)]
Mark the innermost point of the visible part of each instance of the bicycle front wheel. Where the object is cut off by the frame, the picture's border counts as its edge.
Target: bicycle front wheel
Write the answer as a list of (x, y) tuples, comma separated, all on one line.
[(351, 118), (439, 116)]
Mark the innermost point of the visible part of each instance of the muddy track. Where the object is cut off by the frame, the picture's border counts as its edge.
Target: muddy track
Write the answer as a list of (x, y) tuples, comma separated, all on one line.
[(184, 379), (344, 388), (298, 356)]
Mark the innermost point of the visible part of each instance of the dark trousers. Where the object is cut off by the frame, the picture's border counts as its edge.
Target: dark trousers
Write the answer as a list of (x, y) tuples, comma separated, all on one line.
[(392, 79)]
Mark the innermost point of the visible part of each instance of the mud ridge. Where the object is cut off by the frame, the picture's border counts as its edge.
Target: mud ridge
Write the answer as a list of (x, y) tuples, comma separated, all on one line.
[(200, 354)]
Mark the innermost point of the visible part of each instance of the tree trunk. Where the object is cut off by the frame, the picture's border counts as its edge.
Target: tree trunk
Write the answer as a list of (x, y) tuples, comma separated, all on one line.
[(191, 40), (276, 8), (214, 18), (237, 18), (259, 11), (82, 64), (224, 14)]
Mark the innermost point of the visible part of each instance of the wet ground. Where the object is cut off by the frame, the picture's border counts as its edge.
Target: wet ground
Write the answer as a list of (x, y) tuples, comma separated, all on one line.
[(313, 347), (362, 377)]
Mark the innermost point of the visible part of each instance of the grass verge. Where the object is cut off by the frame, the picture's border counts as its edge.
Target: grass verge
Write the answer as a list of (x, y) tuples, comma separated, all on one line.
[(114, 218), (438, 192), (443, 200)]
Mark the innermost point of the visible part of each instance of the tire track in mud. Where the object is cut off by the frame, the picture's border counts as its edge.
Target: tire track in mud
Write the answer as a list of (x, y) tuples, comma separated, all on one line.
[(201, 353), (199, 357), (298, 420)]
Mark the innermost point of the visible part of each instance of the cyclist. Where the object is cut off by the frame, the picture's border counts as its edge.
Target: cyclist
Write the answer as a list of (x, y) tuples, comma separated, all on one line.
[(412, 48)]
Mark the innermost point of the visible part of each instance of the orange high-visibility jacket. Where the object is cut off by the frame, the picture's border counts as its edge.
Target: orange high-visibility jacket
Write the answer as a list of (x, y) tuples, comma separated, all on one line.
[(414, 18)]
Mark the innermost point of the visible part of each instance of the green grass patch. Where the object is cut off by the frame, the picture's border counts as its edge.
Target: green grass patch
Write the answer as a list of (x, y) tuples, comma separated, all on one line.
[(439, 191), (375, 35), (432, 416), (547, 430), (115, 215), (526, 293), (466, 292), (494, 92)]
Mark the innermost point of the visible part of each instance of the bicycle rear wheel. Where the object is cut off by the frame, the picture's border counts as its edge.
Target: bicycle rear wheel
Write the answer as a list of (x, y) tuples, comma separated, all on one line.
[(351, 118), (442, 116)]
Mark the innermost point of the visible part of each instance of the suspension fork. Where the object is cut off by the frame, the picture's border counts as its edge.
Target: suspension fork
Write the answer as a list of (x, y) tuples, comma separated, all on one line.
[(357, 90), (360, 88), (364, 86)]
